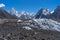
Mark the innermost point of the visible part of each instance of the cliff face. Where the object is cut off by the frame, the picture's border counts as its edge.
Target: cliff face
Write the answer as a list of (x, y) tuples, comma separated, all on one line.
[(26, 30)]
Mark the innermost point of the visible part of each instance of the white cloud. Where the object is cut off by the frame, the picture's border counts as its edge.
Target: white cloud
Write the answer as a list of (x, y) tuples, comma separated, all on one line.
[(2, 5)]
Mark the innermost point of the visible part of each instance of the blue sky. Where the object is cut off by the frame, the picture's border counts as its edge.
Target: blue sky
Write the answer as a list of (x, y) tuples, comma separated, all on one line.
[(30, 5)]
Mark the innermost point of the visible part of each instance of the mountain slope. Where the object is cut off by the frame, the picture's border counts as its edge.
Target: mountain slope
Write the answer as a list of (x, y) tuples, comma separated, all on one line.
[(45, 13), (5, 14), (26, 15), (22, 14), (14, 12), (42, 13), (56, 13)]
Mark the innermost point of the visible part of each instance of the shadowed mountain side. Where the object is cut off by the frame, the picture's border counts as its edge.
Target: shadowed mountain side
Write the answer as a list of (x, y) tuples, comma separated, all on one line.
[(5, 14)]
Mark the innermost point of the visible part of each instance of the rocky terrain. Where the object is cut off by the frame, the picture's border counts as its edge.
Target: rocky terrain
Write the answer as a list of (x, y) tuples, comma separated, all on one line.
[(26, 29), (16, 25), (5, 15)]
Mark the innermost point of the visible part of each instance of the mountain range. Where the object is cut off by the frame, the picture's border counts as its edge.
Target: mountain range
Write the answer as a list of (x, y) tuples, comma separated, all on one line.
[(45, 13), (22, 14), (30, 26), (42, 13)]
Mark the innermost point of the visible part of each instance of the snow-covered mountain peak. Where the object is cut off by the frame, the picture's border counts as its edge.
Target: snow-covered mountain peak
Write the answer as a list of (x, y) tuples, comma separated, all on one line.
[(26, 15), (21, 14), (24, 12), (42, 13), (45, 11), (14, 12)]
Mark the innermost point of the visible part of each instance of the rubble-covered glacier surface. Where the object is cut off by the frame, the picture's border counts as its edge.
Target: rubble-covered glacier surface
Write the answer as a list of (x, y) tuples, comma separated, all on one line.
[(48, 24)]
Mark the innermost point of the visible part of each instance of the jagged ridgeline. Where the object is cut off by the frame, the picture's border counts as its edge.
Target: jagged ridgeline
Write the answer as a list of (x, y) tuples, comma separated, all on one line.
[(42, 13), (45, 13)]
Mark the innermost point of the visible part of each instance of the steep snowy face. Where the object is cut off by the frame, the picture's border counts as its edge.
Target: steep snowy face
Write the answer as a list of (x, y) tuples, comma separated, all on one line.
[(42, 13), (14, 12), (45, 11), (22, 14), (48, 24), (26, 15)]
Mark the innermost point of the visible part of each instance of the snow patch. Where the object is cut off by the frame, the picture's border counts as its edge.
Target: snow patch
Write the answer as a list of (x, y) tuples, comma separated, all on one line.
[(52, 12), (19, 20), (27, 28), (2, 5)]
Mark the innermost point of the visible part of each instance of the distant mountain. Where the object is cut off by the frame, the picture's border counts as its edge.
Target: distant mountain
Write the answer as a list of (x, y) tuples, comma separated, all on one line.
[(56, 13), (45, 13), (42, 13), (26, 15), (22, 14), (14, 12), (5, 14)]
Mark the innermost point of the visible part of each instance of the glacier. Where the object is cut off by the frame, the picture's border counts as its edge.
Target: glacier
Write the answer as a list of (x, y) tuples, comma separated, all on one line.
[(48, 24)]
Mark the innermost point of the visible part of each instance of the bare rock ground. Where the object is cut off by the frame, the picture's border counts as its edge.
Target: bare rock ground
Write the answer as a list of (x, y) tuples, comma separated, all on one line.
[(26, 30)]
